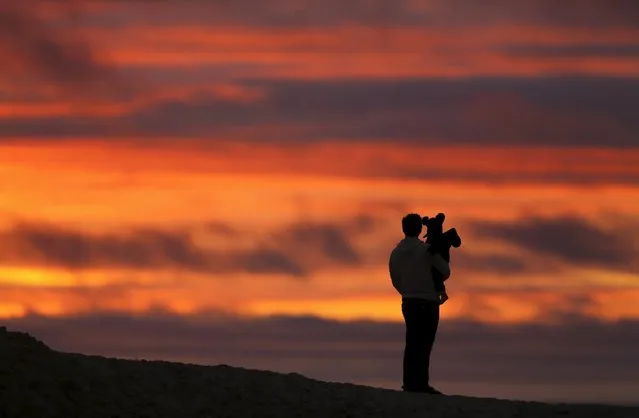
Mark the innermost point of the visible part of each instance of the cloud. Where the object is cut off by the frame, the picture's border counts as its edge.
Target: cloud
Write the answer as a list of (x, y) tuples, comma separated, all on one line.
[(574, 351), (51, 41), (542, 111), (269, 261), (494, 263), (50, 245), (33, 47), (330, 240), (296, 250), (569, 239), (47, 245), (303, 248), (286, 13), (588, 13), (553, 111), (47, 128), (572, 51)]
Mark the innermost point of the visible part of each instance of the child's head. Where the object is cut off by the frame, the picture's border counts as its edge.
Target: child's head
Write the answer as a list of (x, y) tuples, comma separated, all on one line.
[(434, 226), (435, 232)]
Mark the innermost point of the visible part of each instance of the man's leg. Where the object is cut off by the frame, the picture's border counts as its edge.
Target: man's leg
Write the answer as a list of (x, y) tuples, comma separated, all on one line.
[(416, 348), (430, 323)]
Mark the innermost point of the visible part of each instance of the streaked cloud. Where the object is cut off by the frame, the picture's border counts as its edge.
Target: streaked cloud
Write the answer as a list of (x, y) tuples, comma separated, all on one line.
[(35, 51), (51, 246), (299, 248), (495, 111), (279, 13), (568, 52), (494, 263), (292, 250), (570, 239)]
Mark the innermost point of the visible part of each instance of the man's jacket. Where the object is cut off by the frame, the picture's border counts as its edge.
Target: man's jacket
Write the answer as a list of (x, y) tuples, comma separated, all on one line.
[(410, 267)]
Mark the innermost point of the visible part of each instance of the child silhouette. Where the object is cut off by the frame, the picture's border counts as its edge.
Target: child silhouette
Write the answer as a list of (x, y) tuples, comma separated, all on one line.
[(440, 242)]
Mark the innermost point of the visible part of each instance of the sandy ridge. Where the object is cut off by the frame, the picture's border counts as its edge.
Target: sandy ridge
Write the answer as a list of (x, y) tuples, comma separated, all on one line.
[(36, 381)]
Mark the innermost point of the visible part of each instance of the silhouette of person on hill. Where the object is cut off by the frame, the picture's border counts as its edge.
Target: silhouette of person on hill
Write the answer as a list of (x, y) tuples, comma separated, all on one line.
[(411, 267)]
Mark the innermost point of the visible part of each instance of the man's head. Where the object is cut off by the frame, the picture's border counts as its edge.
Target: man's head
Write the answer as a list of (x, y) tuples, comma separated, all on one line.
[(412, 225)]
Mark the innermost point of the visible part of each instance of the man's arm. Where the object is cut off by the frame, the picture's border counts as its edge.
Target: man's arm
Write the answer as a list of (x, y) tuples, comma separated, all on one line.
[(393, 274)]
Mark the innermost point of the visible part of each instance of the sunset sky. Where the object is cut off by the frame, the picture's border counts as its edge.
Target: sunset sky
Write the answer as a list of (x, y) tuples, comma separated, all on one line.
[(223, 181)]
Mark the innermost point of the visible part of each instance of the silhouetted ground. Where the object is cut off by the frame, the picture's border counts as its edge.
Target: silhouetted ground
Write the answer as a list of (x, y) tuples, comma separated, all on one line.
[(37, 382)]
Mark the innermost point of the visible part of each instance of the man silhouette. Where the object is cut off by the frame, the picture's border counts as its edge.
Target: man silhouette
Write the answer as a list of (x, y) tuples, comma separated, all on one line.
[(410, 267)]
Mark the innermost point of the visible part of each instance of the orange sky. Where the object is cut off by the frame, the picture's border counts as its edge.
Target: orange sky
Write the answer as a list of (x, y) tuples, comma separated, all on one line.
[(75, 176), (101, 189)]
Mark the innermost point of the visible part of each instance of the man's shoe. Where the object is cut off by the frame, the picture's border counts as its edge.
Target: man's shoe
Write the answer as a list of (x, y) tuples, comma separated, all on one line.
[(428, 389), (433, 391), (413, 390)]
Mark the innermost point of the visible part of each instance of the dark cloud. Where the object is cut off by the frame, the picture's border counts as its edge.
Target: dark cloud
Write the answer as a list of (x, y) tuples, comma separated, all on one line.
[(38, 44), (51, 245), (572, 51), (571, 352), (496, 263), (552, 111), (381, 13), (540, 111), (327, 239), (32, 48), (46, 128), (270, 261), (586, 13), (275, 14), (296, 250), (570, 239), (30, 244), (302, 248)]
